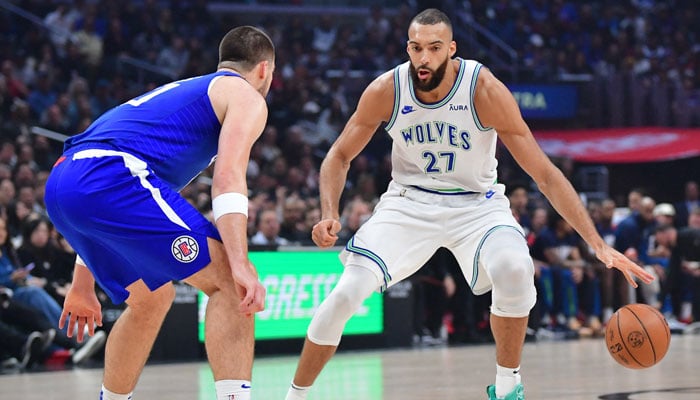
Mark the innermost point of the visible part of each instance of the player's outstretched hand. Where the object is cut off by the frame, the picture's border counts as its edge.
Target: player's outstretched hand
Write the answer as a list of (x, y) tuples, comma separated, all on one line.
[(325, 233), (614, 259), (81, 308), (249, 288)]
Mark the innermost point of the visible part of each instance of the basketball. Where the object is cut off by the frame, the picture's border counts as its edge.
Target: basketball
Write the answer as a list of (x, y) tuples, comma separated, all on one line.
[(637, 336)]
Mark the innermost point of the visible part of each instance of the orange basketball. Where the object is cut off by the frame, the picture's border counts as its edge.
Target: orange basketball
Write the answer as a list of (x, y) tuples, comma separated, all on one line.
[(637, 336)]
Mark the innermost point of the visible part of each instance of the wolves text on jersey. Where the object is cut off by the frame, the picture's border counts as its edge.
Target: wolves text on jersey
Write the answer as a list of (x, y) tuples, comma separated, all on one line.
[(436, 132)]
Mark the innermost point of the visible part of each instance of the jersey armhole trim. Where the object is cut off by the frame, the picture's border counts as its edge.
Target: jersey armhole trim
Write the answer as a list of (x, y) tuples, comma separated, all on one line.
[(222, 74), (397, 98), (475, 77)]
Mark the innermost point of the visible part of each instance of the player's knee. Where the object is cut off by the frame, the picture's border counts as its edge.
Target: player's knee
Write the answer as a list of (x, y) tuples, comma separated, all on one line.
[(157, 301), (347, 303), (512, 276), (511, 270), (328, 323), (327, 326)]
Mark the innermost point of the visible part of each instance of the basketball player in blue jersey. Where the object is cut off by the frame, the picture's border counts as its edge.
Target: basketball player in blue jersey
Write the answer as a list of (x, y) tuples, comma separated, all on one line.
[(444, 115), (114, 195)]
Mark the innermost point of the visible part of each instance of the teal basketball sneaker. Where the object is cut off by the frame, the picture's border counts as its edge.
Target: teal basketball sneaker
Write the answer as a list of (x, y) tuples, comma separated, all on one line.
[(517, 394)]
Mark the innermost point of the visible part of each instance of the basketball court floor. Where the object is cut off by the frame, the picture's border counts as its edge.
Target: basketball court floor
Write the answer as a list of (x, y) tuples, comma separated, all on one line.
[(572, 370)]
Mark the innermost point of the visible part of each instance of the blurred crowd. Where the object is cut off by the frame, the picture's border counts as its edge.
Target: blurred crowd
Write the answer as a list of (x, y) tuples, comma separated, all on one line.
[(656, 39), (64, 63)]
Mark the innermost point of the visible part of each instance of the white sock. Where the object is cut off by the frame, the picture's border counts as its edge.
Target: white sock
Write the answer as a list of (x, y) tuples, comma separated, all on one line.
[(107, 395), (607, 314), (230, 388), (297, 392), (506, 379), (686, 310)]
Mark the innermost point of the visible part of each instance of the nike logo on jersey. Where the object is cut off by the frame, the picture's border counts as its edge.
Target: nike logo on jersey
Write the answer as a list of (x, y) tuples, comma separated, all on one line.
[(244, 386), (490, 194), (407, 109)]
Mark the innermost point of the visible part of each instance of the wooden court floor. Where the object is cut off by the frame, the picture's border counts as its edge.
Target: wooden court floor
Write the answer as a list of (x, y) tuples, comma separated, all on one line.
[(572, 370)]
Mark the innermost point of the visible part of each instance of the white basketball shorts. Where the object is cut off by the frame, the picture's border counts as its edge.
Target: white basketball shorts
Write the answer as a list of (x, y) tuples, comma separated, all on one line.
[(410, 224)]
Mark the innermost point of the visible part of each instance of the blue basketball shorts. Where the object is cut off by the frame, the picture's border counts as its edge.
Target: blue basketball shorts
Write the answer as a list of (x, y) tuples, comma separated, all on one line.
[(125, 223)]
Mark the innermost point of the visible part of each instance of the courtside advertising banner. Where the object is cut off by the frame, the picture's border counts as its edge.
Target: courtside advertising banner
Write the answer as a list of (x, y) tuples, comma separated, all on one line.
[(624, 145), (546, 101), (296, 283)]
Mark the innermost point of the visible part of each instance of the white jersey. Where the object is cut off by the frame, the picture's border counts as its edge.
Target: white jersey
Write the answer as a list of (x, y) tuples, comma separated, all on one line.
[(441, 147)]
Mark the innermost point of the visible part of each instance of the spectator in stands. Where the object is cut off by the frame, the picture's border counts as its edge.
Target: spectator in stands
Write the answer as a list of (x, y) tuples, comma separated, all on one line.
[(117, 43), (311, 217), (148, 42), (518, 197), (61, 21), (664, 214), (16, 213), (613, 289), (43, 95), (8, 154), (50, 262), (27, 289), (90, 45), (14, 87), (629, 232), (378, 23), (18, 122), (26, 194), (684, 269), (268, 230), (21, 350), (309, 169), (694, 218), (7, 194), (690, 202), (324, 35), (292, 225), (633, 236), (355, 213), (330, 122), (543, 284), (366, 189), (174, 57), (634, 199), (26, 320), (558, 246), (268, 142)]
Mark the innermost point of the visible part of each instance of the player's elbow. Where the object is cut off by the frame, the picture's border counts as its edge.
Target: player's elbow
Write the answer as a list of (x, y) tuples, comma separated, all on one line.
[(337, 159)]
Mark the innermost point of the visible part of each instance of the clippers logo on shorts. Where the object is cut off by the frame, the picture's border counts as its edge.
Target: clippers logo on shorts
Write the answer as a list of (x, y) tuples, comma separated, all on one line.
[(185, 249)]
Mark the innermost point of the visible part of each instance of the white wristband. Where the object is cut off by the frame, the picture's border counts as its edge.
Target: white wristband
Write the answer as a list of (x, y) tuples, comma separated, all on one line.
[(229, 203)]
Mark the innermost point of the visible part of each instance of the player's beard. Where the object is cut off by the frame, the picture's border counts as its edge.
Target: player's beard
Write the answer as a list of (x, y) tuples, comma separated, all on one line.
[(431, 83)]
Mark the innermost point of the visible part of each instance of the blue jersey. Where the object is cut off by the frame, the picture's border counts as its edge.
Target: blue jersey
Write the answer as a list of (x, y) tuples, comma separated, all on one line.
[(172, 128)]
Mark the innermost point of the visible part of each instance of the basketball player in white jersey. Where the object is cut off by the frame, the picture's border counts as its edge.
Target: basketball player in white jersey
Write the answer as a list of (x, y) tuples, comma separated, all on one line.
[(444, 115)]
